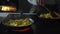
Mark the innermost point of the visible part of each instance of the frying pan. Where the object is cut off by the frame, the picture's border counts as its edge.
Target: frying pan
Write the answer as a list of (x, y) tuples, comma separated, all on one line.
[(16, 28), (44, 9)]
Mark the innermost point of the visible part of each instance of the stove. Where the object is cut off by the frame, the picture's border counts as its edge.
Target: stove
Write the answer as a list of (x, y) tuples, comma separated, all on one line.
[(2, 31)]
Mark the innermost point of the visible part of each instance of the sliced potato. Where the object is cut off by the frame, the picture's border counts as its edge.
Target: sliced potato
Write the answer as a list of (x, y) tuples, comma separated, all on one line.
[(20, 22), (8, 8), (48, 15)]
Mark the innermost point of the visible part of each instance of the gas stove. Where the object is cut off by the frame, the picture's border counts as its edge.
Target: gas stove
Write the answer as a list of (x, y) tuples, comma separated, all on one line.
[(2, 31)]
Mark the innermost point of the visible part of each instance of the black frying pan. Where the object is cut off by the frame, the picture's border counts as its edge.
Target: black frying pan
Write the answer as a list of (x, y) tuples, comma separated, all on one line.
[(14, 28), (44, 9)]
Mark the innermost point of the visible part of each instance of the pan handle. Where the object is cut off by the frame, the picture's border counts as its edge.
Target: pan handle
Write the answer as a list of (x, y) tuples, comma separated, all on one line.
[(31, 20)]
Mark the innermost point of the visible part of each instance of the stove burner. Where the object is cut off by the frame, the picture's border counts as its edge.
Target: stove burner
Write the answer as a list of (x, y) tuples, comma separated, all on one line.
[(28, 31)]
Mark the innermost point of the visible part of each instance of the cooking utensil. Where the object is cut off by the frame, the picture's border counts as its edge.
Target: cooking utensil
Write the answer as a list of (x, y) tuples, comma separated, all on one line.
[(52, 13), (16, 28)]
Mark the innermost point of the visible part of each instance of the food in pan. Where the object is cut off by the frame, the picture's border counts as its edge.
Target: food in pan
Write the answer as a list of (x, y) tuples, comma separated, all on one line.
[(20, 22), (49, 15), (8, 8)]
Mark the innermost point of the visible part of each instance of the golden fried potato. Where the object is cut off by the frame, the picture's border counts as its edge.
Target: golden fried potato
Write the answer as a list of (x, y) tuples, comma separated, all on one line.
[(8, 8)]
